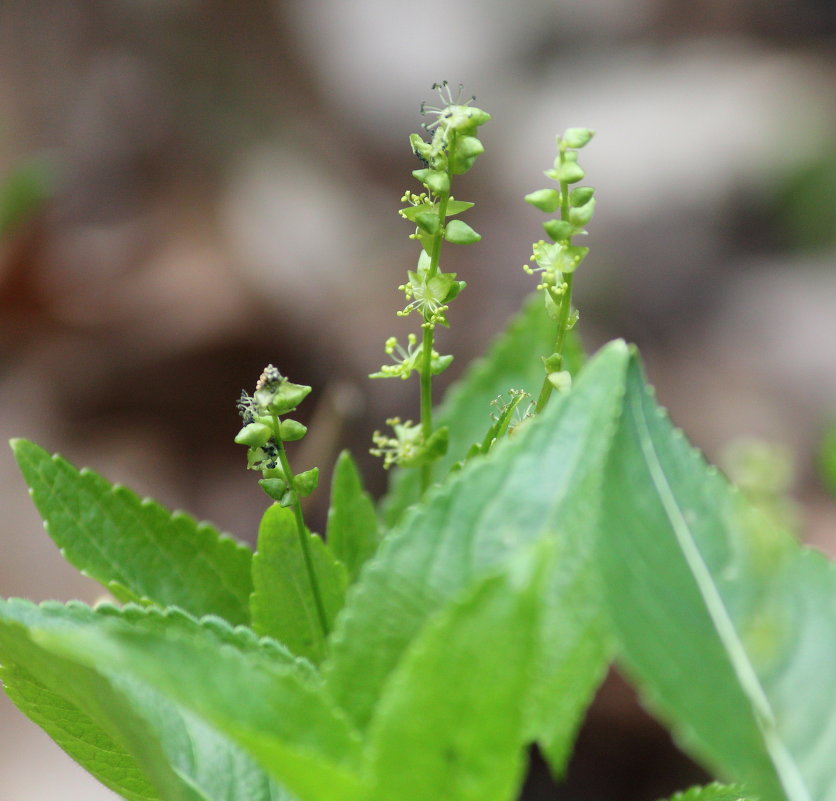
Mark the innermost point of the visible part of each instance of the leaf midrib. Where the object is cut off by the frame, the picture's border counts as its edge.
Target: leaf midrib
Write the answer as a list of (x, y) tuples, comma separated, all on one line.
[(786, 768)]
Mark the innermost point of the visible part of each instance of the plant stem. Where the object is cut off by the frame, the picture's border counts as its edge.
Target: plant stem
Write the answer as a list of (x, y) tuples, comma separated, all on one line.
[(565, 306), (302, 531), (427, 342), (560, 340)]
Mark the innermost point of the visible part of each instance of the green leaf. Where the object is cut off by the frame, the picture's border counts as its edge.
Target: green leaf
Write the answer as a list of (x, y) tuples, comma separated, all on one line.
[(353, 532), (540, 483), (85, 741), (135, 548), (466, 409), (119, 729), (274, 711), (713, 792), (94, 695), (726, 623), (283, 603), (451, 723)]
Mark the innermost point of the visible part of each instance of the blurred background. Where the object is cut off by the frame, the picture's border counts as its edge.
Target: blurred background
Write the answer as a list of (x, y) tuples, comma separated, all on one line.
[(191, 189)]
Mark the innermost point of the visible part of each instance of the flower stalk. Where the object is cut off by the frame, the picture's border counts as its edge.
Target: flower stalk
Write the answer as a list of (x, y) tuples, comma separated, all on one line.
[(451, 151)]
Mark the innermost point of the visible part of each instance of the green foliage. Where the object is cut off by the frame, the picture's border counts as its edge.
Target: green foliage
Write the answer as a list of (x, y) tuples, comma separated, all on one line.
[(486, 379), (528, 541), (134, 547), (450, 723), (684, 556), (128, 734), (283, 604), (353, 532)]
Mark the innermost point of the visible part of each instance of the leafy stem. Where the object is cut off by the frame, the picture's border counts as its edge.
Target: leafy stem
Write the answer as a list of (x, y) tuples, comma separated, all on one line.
[(301, 529), (559, 344), (558, 260), (427, 339), (451, 151)]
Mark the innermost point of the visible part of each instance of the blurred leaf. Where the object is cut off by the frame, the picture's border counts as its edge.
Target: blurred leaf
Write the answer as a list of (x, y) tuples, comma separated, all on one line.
[(827, 459), (84, 714), (75, 732), (713, 792), (274, 711), (22, 192)]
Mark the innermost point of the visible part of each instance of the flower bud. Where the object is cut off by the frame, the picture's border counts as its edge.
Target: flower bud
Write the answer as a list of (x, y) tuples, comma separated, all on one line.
[(547, 200), (469, 147), (435, 180), (254, 435), (427, 221), (577, 137), (287, 397), (559, 230), (581, 195), (569, 172), (274, 487), (305, 483), (581, 215), (291, 430)]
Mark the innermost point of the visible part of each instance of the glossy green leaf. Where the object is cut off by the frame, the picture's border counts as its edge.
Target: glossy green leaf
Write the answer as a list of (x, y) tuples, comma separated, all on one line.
[(283, 604), (134, 547), (466, 409), (726, 623), (353, 531), (274, 712), (451, 721), (122, 731), (713, 792), (540, 483)]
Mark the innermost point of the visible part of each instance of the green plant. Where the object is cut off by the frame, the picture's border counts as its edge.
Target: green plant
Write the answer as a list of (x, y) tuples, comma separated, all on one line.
[(416, 658)]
